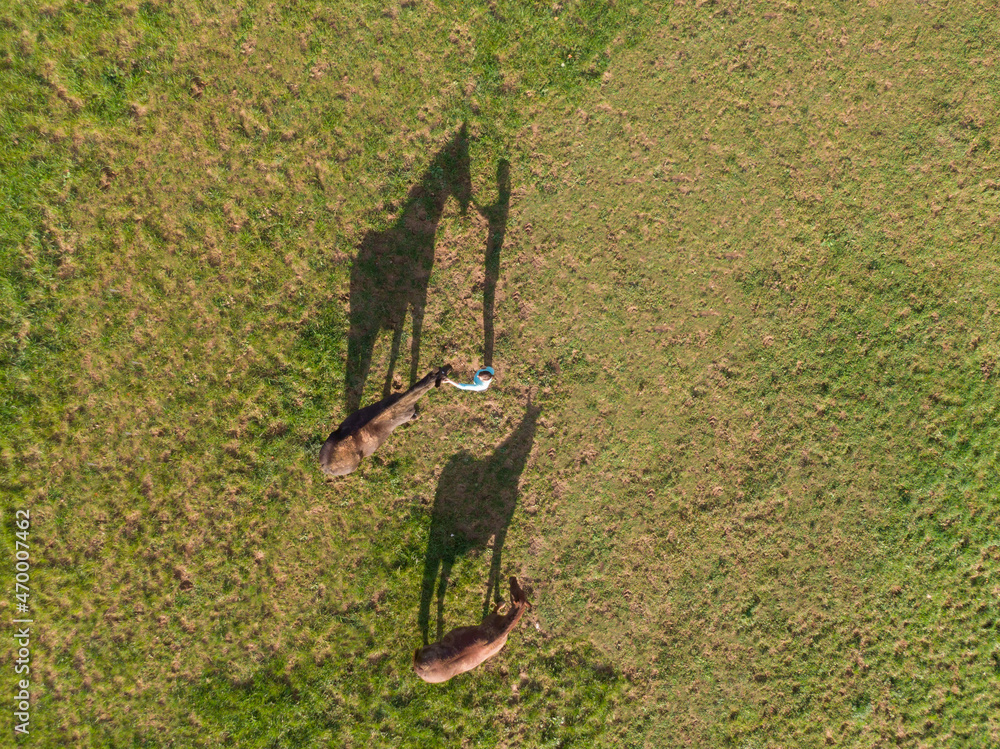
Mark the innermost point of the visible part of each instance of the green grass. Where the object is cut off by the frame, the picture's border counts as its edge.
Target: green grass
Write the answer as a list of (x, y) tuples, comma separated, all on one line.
[(748, 274)]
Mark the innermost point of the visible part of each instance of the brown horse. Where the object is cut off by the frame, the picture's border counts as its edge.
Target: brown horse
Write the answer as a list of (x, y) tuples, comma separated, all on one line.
[(465, 648), (365, 430)]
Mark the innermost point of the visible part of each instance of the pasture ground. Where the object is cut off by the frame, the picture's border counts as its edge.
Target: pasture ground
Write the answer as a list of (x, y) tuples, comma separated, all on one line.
[(746, 330)]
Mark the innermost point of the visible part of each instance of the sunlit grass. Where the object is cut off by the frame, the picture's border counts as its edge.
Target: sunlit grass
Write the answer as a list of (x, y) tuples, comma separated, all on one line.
[(748, 275)]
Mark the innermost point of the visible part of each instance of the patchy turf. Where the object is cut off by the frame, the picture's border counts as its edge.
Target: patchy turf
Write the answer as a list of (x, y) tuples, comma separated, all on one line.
[(736, 268)]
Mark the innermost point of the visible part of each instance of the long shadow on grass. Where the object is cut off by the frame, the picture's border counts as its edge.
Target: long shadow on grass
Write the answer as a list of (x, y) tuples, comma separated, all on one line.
[(496, 214), (474, 502), (393, 267)]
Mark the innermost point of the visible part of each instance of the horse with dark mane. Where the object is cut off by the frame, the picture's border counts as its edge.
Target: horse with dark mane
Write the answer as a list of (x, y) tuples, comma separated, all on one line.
[(465, 648), (365, 430)]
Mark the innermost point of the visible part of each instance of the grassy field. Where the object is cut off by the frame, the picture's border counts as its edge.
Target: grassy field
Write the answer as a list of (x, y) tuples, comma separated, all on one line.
[(736, 265)]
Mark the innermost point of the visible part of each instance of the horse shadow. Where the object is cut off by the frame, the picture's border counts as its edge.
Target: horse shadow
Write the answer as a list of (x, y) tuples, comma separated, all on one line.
[(392, 268), (474, 502)]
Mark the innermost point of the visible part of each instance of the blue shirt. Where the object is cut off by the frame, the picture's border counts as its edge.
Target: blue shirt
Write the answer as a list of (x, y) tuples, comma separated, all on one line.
[(478, 385)]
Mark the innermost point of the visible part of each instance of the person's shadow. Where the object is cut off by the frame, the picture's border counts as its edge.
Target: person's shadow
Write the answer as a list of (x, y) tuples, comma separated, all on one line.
[(474, 502), (393, 267), (496, 214)]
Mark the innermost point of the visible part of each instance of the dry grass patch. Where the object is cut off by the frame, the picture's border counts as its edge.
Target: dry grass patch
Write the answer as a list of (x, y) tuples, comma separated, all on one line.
[(746, 275)]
